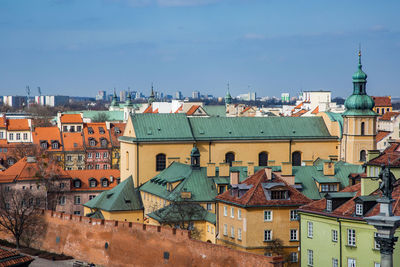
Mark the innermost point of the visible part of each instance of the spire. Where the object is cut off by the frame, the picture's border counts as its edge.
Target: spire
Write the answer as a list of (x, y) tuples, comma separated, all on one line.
[(114, 99), (228, 97), (359, 58), (151, 97), (128, 102)]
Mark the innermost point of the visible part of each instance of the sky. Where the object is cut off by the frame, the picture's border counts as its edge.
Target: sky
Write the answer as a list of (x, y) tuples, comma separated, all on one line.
[(78, 47)]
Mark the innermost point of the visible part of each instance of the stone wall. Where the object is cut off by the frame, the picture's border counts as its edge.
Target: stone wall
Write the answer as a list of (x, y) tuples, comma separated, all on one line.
[(115, 243)]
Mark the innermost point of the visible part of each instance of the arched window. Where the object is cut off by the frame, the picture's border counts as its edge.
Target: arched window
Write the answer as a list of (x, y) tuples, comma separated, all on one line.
[(127, 160), (296, 158), (160, 162), (363, 155), (263, 159), (104, 182), (363, 128), (229, 157)]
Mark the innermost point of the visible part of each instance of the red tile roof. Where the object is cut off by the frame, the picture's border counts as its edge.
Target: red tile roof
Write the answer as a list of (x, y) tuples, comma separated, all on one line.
[(96, 135), (381, 134), (114, 135), (86, 175), (389, 115), (18, 125), (192, 110), (389, 155), (72, 141), (71, 118), (12, 258), (255, 196), (315, 111), (300, 113), (149, 109), (48, 134), (382, 101), (2, 122)]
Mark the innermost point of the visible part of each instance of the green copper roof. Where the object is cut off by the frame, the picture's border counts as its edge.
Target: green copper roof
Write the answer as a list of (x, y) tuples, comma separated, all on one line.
[(91, 114), (336, 117), (228, 98), (170, 127), (178, 212), (215, 110), (123, 197), (202, 188)]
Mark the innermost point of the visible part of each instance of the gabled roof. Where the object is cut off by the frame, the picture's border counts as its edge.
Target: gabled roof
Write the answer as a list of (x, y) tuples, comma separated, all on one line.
[(178, 212), (389, 115), (48, 134), (71, 118), (72, 141), (123, 197), (382, 101), (192, 110), (97, 134), (86, 175), (256, 196), (315, 111), (389, 155), (381, 135), (201, 187), (18, 125)]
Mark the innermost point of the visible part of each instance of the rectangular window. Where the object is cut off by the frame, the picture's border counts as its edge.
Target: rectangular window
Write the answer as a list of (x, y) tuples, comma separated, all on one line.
[(359, 209), (77, 212), (294, 257), (69, 158), (97, 155), (351, 237), (232, 232), (89, 155), (310, 230), (225, 211), (208, 228), (61, 201), (267, 215), (239, 234), (267, 235), (1, 135), (329, 205), (351, 262), (293, 215), (105, 155), (239, 214), (11, 136), (310, 257), (232, 212), (377, 264), (97, 167), (18, 136), (225, 229), (335, 262), (25, 136), (293, 234), (62, 185), (77, 200), (78, 128), (376, 245), (334, 235), (80, 157), (91, 197), (65, 128), (209, 206), (105, 167)]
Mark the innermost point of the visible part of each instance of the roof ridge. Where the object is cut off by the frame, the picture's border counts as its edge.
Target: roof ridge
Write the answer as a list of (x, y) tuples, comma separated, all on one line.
[(256, 186)]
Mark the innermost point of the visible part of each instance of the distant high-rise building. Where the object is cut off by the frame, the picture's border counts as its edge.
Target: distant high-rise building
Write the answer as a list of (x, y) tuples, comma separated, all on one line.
[(178, 95), (122, 95), (51, 100), (196, 95), (250, 96), (285, 97), (15, 101), (101, 96)]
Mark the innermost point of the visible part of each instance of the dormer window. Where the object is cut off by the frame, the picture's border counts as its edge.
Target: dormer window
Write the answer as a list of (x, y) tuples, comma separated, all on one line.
[(55, 145), (77, 183), (104, 182), (103, 142), (117, 130), (329, 205), (359, 209), (101, 130), (43, 144), (279, 194), (92, 142), (90, 130), (92, 182)]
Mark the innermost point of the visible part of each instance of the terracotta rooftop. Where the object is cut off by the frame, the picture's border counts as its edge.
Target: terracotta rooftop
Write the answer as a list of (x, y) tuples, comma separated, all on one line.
[(389, 115), (192, 110), (2, 122), (71, 118), (72, 141), (12, 258), (97, 132), (299, 113), (381, 134), (255, 196), (18, 125), (48, 134), (149, 109), (389, 155), (98, 175), (315, 111), (382, 101), (116, 130)]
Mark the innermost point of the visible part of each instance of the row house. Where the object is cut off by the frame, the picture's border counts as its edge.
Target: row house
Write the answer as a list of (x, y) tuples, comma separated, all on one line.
[(97, 146), (51, 187)]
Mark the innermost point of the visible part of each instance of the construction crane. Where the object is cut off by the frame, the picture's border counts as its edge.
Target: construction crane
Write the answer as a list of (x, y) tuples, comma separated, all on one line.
[(39, 91)]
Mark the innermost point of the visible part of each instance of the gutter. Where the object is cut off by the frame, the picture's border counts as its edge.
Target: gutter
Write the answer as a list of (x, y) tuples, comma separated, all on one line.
[(340, 241)]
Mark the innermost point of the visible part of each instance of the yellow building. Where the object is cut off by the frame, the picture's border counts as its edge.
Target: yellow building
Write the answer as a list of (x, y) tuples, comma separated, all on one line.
[(383, 104), (259, 215)]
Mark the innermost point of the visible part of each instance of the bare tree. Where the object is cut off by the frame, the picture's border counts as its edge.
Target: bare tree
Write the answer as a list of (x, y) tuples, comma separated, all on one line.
[(19, 212)]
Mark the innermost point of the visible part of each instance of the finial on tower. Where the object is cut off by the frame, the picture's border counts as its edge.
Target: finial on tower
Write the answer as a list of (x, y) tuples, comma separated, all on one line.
[(359, 55)]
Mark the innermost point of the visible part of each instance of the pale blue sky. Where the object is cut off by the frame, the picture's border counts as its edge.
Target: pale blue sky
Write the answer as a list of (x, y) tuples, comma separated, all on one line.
[(78, 47)]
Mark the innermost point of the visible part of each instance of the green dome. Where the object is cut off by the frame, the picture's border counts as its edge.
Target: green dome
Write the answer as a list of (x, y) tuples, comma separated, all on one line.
[(195, 152), (360, 102), (359, 75), (228, 98)]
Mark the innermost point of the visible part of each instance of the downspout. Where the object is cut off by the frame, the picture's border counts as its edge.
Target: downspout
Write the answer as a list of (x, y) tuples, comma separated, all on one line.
[(137, 164), (340, 241), (290, 150), (301, 258), (209, 152)]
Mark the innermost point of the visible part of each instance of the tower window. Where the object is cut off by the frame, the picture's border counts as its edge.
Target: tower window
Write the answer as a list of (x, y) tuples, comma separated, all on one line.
[(160, 162), (229, 157), (363, 128), (263, 159), (363, 155), (296, 158)]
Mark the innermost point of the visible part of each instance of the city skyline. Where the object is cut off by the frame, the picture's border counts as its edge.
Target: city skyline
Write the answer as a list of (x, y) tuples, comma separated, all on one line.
[(78, 48)]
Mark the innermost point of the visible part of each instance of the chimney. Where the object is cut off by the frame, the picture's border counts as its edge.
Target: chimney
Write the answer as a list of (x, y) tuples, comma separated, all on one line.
[(210, 169), (373, 154), (224, 169), (368, 186), (234, 177), (250, 168), (329, 168), (286, 168)]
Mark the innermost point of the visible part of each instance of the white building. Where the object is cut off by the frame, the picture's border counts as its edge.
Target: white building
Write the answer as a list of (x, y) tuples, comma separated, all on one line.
[(51, 100), (14, 101)]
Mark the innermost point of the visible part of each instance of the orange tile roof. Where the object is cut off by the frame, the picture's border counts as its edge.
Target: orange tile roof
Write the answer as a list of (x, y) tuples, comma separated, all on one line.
[(381, 134), (388, 116), (48, 134), (86, 175), (390, 154), (96, 135), (114, 135), (315, 111), (382, 101), (149, 109), (2, 122), (255, 196), (71, 118), (24, 170), (192, 110), (12, 258), (298, 106), (299, 113), (156, 110), (72, 141), (18, 125), (246, 109)]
